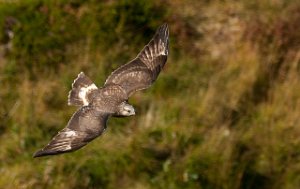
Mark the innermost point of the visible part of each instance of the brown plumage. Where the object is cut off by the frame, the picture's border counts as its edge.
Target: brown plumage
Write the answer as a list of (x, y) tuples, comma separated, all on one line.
[(98, 104)]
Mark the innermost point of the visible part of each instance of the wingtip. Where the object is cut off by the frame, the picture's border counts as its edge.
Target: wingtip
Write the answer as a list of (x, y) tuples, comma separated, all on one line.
[(165, 24), (163, 31), (41, 153), (38, 154), (163, 34), (81, 74), (164, 28)]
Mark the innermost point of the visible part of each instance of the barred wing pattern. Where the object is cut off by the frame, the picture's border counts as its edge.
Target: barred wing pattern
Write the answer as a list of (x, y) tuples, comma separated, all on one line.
[(141, 72), (85, 125)]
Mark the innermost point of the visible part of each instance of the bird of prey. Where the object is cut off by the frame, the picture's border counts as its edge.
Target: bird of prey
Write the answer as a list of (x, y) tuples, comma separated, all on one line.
[(98, 104)]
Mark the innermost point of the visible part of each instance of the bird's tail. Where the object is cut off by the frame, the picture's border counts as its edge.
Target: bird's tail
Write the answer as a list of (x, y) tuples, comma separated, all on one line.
[(82, 91)]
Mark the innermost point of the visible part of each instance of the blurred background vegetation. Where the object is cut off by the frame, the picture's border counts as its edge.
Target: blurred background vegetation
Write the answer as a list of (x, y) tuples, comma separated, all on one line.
[(224, 113)]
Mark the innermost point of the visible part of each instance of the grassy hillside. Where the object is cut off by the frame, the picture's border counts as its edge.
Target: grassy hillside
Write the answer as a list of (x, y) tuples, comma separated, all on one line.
[(224, 113)]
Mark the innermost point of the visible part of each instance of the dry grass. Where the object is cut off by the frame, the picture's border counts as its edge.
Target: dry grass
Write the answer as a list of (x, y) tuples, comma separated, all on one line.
[(224, 113)]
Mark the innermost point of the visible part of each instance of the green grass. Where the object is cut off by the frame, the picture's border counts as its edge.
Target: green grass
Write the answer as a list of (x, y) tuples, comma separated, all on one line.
[(224, 112)]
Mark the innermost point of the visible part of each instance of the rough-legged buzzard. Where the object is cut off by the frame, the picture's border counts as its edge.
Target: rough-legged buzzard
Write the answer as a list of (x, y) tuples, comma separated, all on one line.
[(98, 104)]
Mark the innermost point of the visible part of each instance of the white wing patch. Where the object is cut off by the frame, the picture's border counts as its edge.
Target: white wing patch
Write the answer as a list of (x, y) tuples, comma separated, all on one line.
[(70, 133), (68, 147), (84, 91)]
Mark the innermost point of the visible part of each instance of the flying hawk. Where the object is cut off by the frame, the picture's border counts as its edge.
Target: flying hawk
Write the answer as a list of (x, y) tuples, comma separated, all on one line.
[(98, 104)]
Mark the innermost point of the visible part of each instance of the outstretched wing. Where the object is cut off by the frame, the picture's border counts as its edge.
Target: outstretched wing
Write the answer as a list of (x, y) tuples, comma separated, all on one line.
[(141, 72), (85, 125)]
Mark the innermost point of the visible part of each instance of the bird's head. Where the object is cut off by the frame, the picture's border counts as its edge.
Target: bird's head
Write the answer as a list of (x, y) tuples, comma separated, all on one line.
[(125, 110)]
